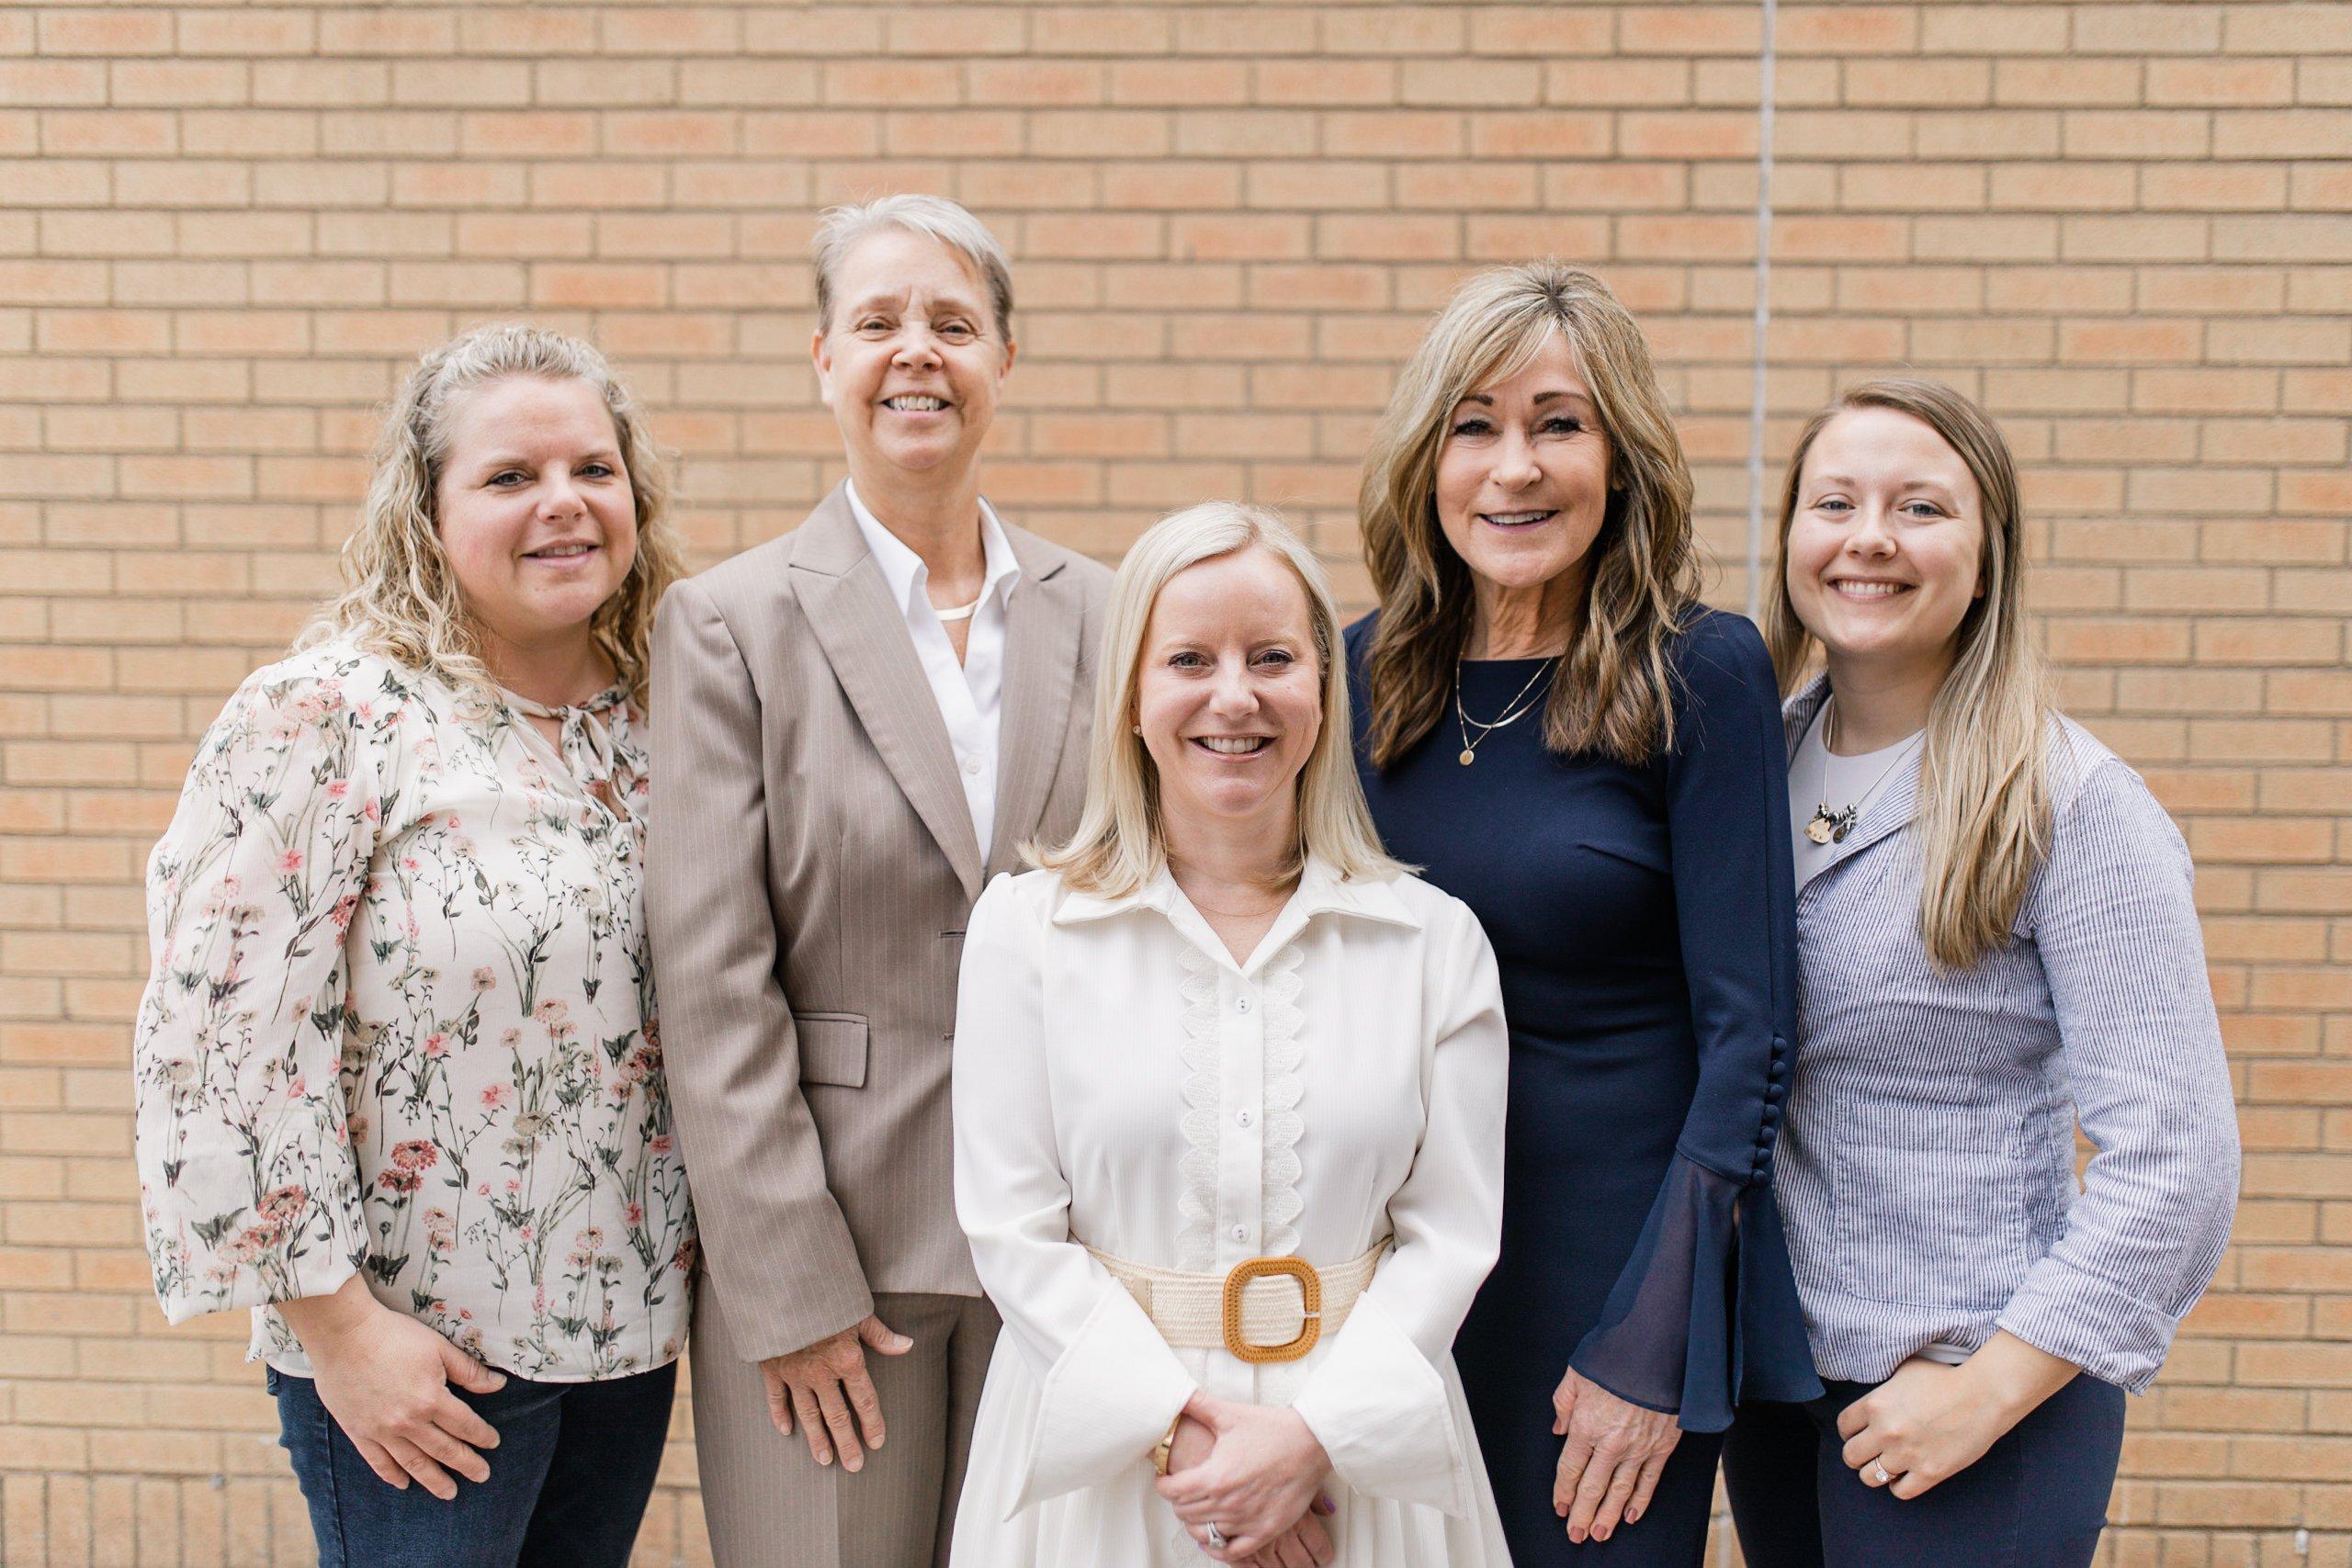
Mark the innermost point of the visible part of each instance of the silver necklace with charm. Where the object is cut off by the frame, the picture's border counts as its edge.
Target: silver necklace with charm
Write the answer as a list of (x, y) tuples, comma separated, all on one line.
[(1518, 707), (1829, 827)]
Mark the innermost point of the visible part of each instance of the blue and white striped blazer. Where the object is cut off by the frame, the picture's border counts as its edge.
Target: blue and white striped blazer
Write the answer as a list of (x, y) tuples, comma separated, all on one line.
[(1926, 1167)]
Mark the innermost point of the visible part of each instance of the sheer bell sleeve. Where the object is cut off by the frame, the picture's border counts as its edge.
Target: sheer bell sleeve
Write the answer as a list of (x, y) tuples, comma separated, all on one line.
[(1108, 1384), (246, 1176), (1705, 1312), (1376, 1401)]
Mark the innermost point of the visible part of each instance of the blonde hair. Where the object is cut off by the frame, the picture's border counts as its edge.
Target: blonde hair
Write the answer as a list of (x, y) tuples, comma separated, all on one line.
[(840, 227), (1984, 799), (1614, 692), (400, 597), (1119, 845)]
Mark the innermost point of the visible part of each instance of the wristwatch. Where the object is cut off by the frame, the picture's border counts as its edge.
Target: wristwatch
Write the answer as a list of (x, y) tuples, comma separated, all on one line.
[(1160, 1449)]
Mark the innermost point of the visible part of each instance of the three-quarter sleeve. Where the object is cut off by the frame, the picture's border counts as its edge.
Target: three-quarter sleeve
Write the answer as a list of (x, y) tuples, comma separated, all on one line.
[(2114, 921), (1378, 1401), (1108, 1383), (246, 1176), (1705, 1312), (772, 1232)]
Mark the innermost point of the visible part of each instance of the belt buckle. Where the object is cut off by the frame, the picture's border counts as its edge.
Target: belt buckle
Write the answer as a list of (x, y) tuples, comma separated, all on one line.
[(1310, 1290)]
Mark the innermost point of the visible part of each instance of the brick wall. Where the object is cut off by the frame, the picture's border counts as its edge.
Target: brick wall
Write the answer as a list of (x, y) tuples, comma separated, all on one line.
[(223, 229)]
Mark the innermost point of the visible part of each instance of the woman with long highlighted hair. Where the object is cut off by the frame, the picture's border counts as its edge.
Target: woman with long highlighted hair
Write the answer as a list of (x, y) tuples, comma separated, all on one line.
[(1555, 728), (1998, 947)]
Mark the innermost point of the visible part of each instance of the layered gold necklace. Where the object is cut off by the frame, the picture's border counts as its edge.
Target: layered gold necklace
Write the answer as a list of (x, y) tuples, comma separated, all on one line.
[(1518, 707)]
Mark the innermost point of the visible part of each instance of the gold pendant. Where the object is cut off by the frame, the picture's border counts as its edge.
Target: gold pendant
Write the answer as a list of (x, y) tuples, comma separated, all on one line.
[(1468, 756), (1820, 829)]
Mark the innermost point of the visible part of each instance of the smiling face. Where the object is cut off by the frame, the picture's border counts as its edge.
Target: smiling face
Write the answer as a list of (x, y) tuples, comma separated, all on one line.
[(534, 507), (1886, 545), (912, 362), (1522, 478), (1230, 695)]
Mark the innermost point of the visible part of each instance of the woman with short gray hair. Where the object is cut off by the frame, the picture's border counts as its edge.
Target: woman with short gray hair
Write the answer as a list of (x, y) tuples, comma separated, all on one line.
[(872, 712)]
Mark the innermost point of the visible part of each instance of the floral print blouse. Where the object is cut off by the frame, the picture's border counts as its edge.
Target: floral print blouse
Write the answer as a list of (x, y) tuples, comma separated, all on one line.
[(401, 1022)]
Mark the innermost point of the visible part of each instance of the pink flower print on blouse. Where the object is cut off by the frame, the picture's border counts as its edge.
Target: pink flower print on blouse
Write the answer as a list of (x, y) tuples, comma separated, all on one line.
[(395, 969)]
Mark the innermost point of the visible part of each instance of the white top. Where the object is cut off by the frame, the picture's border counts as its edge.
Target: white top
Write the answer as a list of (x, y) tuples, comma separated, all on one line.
[(401, 1020), (1818, 776), (970, 694), (1121, 1083)]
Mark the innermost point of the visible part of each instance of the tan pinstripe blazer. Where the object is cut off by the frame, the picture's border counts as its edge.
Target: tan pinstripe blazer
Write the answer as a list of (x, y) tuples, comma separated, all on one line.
[(810, 865)]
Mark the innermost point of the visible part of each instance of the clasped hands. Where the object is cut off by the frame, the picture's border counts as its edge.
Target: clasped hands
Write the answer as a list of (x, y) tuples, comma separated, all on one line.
[(1255, 1471)]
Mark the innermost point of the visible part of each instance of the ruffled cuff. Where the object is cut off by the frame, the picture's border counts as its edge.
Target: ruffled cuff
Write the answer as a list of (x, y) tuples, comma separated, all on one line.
[(2094, 1323), (1380, 1410), (1705, 1313), (1103, 1403)]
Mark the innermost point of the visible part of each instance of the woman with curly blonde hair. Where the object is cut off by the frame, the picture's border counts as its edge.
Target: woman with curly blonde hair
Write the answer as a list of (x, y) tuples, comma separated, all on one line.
[(1566, 740), (398, 1077)]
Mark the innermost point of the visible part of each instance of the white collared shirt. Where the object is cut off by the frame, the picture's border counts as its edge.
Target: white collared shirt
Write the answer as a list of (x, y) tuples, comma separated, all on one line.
[(1342, 1087), (970, 694)]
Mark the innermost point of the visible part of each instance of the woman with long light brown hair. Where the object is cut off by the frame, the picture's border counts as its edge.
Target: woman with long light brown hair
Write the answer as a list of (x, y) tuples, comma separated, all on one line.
[(1556, 730), (1997, 943)]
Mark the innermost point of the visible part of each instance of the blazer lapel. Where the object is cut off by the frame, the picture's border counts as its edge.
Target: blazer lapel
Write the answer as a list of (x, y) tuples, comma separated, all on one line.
[(1041, 668), (1797, 714), (864, 635)]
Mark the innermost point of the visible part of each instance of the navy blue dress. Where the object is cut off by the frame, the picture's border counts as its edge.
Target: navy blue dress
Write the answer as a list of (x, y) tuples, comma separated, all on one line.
[(1644, 919)]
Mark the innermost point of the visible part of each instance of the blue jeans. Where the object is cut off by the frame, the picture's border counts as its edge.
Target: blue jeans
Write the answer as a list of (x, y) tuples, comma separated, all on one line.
[(2036, 1499), (568, 1482)]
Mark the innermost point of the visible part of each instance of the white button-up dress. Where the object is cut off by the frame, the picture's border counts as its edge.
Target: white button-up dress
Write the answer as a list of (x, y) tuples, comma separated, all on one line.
[(1121, 1083)]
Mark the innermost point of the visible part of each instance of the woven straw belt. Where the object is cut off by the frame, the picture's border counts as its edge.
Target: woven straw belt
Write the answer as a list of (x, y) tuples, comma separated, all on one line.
[(1267, 1309)]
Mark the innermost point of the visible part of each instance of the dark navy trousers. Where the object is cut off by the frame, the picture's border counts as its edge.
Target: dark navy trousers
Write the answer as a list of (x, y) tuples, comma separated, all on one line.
[(568, 1485), (2036, 1499)]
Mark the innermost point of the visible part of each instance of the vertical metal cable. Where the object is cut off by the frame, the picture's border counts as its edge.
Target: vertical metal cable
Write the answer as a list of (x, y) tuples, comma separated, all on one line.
[(1763, 317)]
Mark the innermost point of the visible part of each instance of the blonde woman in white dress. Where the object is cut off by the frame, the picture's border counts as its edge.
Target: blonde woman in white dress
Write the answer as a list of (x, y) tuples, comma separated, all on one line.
[(1221, 1049)]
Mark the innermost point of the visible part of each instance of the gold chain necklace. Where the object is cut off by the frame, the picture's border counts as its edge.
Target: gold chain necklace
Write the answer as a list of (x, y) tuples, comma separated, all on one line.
[(1518, 707)]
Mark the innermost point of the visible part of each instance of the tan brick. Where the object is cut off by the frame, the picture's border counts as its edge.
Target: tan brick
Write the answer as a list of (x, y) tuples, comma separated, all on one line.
[(1551, 135), (1585, 84), (1322, 82), (1691, 30), (2282, 133), (1425, 133), (70, 32), (1698, 133), (26, 82), (1472, 83), (1548, 31)]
